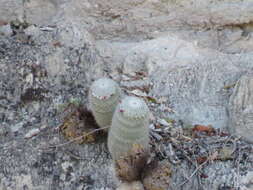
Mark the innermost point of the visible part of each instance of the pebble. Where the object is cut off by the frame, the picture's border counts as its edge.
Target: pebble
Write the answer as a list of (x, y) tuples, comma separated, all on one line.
[(163, 122), (16, 127), (31, 133), (6, 30)]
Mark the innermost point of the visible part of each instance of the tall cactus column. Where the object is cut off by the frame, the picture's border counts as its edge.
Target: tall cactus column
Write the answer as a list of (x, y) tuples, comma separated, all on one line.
[(129, 127), (104, 96)]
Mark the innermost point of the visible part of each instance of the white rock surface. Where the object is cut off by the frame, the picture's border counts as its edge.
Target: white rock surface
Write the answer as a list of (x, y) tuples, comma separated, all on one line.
[(241, 108), (5, 30), (193, 78), (40, 12), (11, 10)]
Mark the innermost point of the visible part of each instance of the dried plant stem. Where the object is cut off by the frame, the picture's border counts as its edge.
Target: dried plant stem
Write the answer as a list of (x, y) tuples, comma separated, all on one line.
[(77, 138), (193, 173)]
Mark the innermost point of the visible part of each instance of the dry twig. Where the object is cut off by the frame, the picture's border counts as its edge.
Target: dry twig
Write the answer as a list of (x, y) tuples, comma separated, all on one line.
[(77, 138)]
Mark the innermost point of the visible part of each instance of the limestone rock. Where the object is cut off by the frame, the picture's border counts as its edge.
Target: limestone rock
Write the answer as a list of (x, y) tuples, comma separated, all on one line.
[(5, 30), (40, 12), (197, 81), (241, 108), (11, 10), (247, 181)]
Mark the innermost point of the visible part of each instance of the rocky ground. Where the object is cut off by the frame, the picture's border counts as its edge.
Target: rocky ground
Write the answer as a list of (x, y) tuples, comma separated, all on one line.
[(191, 61)]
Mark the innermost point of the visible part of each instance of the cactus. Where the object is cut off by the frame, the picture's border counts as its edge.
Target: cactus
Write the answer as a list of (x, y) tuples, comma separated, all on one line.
[(104, 96), (129, 127)]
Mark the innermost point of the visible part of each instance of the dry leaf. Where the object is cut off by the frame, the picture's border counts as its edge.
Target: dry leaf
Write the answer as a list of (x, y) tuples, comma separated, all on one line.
[(209, 130), (201, 159), (57, 44), (203, 175), (77, 123)]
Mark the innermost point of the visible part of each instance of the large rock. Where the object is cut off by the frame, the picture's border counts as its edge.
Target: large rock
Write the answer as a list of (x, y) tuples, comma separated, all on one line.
[(197, 81), (40, 12), (144, 17), (241, 108), (210, 13), (11, 10)]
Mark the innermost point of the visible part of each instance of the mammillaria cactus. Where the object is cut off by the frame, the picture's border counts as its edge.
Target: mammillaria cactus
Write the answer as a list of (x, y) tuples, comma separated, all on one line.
[(129, 127), (104, 96)]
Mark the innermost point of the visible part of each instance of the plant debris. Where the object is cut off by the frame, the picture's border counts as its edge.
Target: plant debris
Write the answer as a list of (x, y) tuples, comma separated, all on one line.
[(129, 167), (208, 130), (78, 124), (157, 175), (199, 146), (33, 94)]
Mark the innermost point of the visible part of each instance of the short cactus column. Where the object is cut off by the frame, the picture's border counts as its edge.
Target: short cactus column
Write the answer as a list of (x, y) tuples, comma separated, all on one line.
[(129, 127), (104, 96)]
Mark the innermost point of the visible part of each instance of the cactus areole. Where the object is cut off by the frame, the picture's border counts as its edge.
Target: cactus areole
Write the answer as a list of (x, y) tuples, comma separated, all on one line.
[(104, 96), (129, 126)]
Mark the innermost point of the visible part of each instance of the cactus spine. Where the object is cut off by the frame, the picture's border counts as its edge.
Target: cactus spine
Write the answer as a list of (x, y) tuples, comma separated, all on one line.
[(104, 96), (129, 126)]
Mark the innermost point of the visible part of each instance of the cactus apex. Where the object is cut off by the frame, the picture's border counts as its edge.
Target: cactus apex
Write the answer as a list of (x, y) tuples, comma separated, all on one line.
[(103, 88), (133, 107), (104, 96)]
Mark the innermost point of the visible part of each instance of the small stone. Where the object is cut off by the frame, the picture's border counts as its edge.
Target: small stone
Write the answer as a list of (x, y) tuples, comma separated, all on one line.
[(29, 78), (162, 100), (163, 122), (31, 133), (135, 185), (16, 127), (43, 127), (3, 131), (66, 165), (247, 181), (32, 31), (5, 30), (156, 135)]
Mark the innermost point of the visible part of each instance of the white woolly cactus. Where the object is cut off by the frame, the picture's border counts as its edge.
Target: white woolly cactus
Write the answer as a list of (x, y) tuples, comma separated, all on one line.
[(104, 96), (129, 127)]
